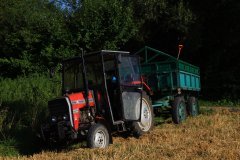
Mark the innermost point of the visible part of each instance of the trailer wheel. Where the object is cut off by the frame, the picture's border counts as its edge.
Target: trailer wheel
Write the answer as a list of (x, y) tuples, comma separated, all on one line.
[(146, 123), (192, 106), (179, 112), (98, 136)]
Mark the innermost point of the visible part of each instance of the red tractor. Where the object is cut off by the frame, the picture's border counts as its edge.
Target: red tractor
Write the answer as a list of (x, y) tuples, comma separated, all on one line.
[(102, 93)]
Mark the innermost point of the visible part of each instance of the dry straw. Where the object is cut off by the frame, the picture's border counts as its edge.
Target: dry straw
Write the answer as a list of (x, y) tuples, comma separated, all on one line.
[(214, 136)]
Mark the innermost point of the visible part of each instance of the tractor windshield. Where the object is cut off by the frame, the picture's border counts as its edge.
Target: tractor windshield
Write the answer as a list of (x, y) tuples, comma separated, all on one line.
[(72, 75), (129, 71)]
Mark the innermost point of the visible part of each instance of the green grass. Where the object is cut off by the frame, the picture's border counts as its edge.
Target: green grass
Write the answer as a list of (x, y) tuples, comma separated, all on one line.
[(8, 148), (222, 102), (23, 107)]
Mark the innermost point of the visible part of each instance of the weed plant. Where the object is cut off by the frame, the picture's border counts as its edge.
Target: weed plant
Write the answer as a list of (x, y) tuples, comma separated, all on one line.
[(23, 107)]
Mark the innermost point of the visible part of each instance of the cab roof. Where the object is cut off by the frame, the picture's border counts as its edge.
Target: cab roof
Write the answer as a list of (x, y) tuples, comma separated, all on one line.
[(96, 53)]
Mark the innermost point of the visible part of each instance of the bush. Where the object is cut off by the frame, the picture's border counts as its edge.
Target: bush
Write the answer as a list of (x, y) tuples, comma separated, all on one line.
[(23, 102)]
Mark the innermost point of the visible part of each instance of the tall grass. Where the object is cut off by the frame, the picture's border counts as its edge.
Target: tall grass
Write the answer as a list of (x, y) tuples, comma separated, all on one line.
[(227, 102), (23, 104)]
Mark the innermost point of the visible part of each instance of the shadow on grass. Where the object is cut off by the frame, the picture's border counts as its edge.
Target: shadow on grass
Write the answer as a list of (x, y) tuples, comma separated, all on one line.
[(162, 117), (20, 142), (26, 143), (17, 137)]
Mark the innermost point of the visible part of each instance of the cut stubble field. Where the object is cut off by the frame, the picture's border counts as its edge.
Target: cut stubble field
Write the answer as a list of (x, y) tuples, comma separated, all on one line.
[(215, 134)]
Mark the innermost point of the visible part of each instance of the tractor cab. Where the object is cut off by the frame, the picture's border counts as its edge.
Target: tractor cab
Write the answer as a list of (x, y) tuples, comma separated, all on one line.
[(102, 93), (110, 77)]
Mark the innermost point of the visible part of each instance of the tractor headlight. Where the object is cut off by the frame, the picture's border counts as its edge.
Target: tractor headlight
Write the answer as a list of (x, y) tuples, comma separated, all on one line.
[(54, 119), (65, 117)]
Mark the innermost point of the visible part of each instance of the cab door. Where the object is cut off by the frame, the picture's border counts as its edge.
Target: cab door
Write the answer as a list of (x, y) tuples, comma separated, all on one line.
[(130, 86)]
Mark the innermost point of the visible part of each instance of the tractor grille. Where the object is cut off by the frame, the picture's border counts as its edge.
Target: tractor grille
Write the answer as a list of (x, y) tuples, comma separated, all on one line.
[(58, 107)]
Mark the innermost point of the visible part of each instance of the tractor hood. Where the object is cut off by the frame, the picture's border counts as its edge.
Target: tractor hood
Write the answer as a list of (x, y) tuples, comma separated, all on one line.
[(68, 107)]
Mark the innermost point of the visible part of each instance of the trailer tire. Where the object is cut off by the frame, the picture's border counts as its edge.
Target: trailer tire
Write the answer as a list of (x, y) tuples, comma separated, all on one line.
[(146, 123), (192, 106), (98, 136), (179, 112)]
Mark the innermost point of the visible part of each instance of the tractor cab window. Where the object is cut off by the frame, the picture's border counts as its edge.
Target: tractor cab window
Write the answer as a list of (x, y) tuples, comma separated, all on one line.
[(111, 71), (93, 71), (72, 76), (129, 71)]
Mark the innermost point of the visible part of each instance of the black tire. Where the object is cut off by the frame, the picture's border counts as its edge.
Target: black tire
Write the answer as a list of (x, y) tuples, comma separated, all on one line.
[(192, 106), (179, 112), (98, 136), (146, 123)]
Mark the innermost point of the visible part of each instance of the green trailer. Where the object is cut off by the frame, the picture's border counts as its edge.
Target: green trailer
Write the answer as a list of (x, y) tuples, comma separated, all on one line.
[(175, 84)]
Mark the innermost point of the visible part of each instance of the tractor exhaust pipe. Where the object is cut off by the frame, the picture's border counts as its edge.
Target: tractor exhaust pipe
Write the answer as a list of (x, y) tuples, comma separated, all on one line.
[(85, 81)]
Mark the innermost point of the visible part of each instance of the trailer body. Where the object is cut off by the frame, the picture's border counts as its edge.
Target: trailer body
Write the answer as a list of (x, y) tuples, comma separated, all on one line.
[(168, 77), (172, 74)]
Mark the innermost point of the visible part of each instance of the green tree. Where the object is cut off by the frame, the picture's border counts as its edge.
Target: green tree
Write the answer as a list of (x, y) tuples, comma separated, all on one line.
[(161, 23), (103, 24), (33, 36), (37, 34)]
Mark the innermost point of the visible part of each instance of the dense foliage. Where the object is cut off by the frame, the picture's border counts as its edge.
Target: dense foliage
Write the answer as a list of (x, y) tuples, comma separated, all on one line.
[(36, 35), (33, 37), (24, 100), (23, 108)]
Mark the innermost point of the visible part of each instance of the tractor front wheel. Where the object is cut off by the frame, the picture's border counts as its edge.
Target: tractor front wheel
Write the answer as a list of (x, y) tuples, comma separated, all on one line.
[(179, 112), (146, 122), (98, 136)]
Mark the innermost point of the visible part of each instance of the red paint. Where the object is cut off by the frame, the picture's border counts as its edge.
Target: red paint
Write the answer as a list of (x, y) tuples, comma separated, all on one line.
[(144, 84), (78, 102)]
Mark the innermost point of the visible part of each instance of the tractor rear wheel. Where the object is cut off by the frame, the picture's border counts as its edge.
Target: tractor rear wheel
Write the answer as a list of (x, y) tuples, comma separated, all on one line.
[(98, 136), (192, 106), (179, 112), (146, 122)]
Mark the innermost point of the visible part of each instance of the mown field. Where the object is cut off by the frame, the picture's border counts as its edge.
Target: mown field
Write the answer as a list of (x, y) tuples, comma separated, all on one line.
[(212, 135)]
